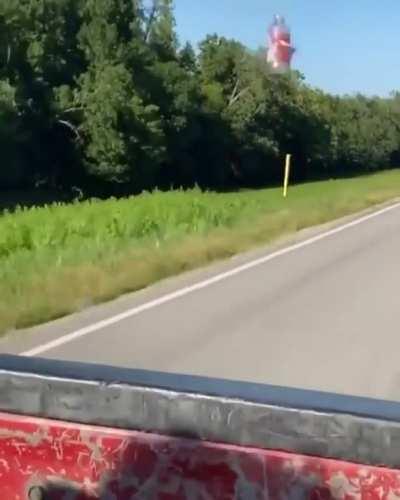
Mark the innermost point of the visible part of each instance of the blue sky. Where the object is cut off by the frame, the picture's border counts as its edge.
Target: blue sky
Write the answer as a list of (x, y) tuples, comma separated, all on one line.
[(343, 46)]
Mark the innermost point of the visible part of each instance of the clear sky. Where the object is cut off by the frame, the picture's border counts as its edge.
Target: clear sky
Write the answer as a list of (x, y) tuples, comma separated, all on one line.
[(343, 46)]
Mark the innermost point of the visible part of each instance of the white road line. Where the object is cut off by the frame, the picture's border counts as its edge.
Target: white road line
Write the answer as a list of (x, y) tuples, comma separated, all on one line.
[(87, 330)]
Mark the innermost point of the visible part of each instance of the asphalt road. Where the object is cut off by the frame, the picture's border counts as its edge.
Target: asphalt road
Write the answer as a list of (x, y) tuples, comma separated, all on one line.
[(323, 314)]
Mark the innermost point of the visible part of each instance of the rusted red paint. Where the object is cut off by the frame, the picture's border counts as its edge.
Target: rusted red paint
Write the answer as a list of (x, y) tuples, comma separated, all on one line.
[(82, 463)]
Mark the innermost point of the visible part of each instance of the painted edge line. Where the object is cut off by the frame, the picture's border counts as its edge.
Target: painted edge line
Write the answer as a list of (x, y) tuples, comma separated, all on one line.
[(100, 325)]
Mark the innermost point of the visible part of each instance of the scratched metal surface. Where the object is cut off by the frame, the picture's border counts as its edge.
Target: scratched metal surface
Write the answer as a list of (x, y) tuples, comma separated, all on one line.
[(77, 462), (219, 411)]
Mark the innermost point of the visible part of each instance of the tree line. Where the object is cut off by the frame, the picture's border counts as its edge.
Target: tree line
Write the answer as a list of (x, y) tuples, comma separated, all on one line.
[(99, 96)]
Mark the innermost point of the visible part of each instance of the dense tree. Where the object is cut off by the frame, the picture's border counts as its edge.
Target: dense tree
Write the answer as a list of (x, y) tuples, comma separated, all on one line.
[(40, 58), (122, 132), (98, 94)]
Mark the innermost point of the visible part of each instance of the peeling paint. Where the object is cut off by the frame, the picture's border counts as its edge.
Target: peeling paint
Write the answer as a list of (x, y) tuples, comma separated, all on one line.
[(78, 462), (27, 438), (341, 487)]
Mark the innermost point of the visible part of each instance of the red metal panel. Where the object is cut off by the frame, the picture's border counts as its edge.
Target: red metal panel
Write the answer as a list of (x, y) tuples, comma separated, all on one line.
[(82, 462)]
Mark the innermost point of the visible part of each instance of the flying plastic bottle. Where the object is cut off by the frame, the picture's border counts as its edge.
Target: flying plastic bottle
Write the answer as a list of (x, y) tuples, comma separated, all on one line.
[(280, 50)]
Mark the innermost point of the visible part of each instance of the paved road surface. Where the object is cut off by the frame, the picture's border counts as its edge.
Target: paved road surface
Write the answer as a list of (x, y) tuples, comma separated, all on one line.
[(324, 315)]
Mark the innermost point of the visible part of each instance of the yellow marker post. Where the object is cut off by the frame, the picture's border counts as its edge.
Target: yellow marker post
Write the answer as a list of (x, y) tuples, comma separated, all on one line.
[(287, 175)]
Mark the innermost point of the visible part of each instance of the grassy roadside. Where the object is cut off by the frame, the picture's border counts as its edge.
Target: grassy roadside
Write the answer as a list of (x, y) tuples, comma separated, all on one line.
[(61, 258)]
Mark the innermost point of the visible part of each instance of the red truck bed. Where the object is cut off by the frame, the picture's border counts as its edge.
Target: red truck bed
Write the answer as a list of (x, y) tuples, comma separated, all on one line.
[(72, 431)]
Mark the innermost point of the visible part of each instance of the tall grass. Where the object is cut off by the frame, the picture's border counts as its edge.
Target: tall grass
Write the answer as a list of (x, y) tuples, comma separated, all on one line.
[(57, 259), (157, 217)]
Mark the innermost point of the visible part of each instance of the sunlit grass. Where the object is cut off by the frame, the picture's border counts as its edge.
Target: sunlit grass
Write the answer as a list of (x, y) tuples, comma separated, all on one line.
[(58, 259)]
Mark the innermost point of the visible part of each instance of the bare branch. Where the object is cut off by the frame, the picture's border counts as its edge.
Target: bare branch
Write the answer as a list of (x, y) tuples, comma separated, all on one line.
[(151, 18), (71, 127), (72, 110), (235, 89), (238, 96)]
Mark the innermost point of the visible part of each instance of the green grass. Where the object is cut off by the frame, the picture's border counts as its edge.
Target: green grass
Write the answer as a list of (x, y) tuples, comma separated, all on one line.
[(61, 258)]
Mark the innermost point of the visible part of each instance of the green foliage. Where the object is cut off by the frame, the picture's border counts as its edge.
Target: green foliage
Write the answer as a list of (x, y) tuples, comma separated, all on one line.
[(123, 136), (11, 139), (99, 95)]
